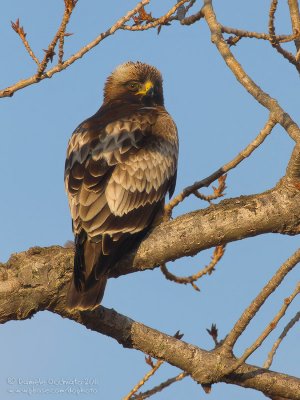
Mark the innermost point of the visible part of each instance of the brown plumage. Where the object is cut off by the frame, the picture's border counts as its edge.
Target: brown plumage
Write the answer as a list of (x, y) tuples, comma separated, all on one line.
[(121, 163)]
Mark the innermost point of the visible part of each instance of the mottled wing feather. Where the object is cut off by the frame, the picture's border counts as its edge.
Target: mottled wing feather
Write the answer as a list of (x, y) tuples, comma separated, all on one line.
[(117, 174), (142, 179)]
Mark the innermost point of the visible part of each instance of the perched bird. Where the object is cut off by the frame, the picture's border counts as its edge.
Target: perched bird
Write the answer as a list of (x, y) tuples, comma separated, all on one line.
[(121, 163)]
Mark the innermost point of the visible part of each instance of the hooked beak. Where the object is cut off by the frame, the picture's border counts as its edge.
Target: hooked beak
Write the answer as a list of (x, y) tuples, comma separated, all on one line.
[(147, 89)]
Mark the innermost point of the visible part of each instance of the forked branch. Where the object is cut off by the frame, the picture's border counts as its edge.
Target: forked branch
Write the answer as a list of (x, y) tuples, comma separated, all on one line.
[(257, 303), (9, 91)]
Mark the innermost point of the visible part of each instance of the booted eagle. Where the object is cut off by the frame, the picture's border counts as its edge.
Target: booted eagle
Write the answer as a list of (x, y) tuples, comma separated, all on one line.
[(121, 163)]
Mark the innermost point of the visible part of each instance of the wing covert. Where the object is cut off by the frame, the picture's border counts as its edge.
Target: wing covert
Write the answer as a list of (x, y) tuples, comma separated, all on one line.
[(116, 174)]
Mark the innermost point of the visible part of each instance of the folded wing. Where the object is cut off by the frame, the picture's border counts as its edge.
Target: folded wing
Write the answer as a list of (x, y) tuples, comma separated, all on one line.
[(117, 175)]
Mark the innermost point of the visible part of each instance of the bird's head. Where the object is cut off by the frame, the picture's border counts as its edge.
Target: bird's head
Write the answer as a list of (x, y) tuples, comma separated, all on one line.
[(135, 82)]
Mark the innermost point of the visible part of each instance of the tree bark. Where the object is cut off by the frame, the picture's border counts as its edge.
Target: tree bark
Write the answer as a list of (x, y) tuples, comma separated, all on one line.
[(274, 211), (37, 280)]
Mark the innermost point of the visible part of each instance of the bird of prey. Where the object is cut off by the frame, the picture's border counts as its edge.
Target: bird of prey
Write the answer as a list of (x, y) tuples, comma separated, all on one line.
[(121, 163)]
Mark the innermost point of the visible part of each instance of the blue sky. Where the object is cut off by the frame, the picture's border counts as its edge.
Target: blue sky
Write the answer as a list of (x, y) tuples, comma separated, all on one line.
[(216, 118)]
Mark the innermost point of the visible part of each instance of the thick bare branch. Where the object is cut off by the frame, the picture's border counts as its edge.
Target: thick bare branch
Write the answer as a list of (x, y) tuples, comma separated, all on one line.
[(230, 220), (38, 280), (274, 211), (293, 168)]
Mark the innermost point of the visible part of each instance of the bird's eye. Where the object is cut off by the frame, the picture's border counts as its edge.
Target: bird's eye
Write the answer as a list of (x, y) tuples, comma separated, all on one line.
[(133, 86)]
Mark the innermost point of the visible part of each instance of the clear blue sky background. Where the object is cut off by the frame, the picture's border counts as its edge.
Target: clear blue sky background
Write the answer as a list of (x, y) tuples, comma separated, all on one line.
[(216, 118)]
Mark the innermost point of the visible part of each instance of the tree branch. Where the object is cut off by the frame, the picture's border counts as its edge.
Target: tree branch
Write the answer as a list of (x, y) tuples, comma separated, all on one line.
[(145, 378), (230, 220), (246, 152), (286, 54), (49, 53), (20, 31), (254, 307), (160, 387), (274, 211), (40, 281), (295, 19), (216, 257), (277, 343), (262, 97), (158, 21), (263, 36), (9, 91)]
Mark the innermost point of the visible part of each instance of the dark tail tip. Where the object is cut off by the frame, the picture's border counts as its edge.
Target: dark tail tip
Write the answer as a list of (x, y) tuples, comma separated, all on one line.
[(88, 297)]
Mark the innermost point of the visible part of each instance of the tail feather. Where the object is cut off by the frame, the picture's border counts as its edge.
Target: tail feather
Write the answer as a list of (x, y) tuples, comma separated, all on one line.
[(87, 288), (92, 263), (89, 297)]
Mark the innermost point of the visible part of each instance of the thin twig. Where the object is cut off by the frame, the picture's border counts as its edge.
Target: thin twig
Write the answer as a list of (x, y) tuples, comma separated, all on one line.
[(213, 333), (271, 24), (159, 21), (192, 18), (256, 304), (272, 325), (286, 54), (264, 36), (190, 5), (280, 116), (275, 346), (69, 6), (155, 367), (295, 19), (61, 46), (144, 380), (217, 255), (20, 31), (218, 191), (246, 152), (10, 90), (49, 53), (160, 387)]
